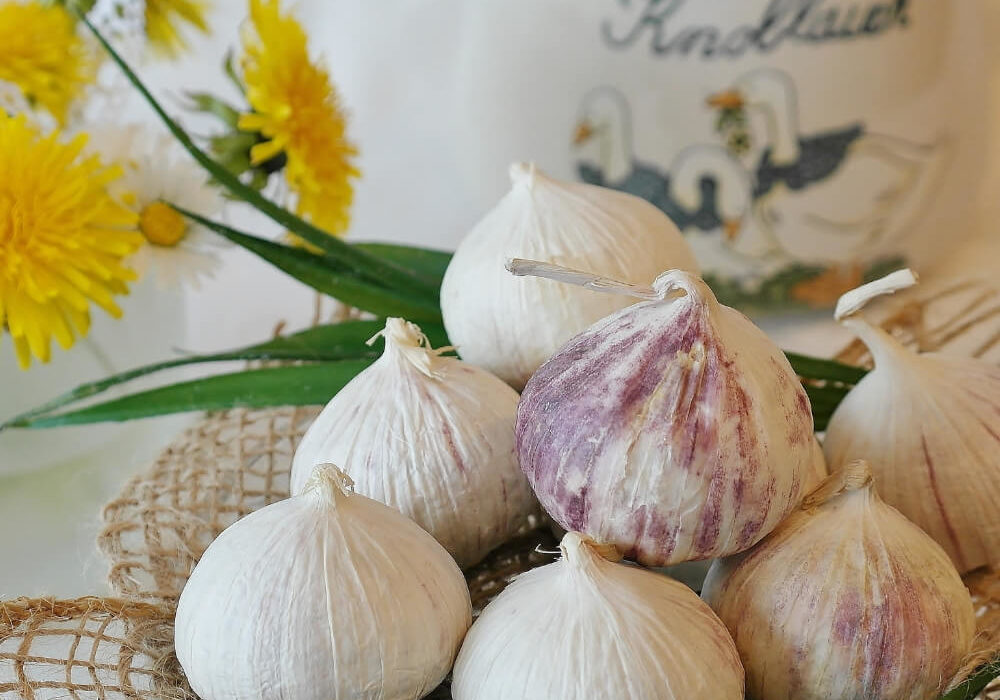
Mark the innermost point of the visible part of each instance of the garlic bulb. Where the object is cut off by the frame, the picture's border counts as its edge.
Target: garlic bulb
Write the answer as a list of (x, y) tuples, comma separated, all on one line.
[(692, 573), (511, 326), (430, 436), (585, 628), (819, 468), (846, 599), (930, 425), (327, 594), (673, 429)]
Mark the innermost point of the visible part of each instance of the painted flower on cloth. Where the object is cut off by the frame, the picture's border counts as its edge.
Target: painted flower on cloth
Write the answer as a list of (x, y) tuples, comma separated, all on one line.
[(63, 238), (44, 56), (156, 175), (296, 111)]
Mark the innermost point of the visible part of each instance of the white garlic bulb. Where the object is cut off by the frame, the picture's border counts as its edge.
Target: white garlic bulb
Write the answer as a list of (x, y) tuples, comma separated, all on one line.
[(431, 436), (930, 426), (819, 468), (846, 599), (585, 628), (327, 594), (673, 429), (511, 326)]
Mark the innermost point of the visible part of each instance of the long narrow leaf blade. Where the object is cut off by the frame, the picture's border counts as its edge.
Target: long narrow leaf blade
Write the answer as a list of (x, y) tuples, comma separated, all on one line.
[(341, 341), (976, 683), (377, 270), (323, 274), (824, 401), (827, 370), (432, 263), (328, 343), (301, 385)]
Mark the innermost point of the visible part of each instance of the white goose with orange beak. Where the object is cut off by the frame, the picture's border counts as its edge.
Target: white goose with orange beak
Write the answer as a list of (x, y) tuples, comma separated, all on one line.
[(835, 197)]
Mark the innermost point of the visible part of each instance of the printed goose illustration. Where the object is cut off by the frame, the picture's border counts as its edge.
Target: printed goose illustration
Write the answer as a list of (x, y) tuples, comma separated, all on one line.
[(740, 249), (825, 198), (604, 139)]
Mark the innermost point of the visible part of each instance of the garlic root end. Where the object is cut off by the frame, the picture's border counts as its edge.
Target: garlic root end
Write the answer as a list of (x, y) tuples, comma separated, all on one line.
[(852, 477), (330, 482)]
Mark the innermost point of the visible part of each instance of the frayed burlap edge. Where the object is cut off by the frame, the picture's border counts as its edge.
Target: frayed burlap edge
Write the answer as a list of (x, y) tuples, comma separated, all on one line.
[(131, 660)]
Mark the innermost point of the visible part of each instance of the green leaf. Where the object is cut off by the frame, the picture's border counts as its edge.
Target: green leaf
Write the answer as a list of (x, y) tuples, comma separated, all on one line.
[(327, 275), (824, 401), (976, 683), (432, 263), (826, 370), (330, 342), (339, 341), (376, 270), (209, 104), (302, 385), (233, 142), (230, 71)]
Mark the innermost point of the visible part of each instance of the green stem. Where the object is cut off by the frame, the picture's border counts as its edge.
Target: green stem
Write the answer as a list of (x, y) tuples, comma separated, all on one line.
[(377, 270)]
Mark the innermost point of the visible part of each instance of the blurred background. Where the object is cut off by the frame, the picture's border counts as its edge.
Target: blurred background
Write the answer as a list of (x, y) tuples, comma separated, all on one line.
[(442, 95)]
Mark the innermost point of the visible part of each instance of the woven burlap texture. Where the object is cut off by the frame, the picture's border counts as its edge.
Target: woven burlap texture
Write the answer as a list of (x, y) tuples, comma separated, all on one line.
[(232, 463)]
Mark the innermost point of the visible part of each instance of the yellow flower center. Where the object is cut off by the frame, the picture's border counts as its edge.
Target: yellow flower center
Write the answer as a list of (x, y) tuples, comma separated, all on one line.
[(162, 225)]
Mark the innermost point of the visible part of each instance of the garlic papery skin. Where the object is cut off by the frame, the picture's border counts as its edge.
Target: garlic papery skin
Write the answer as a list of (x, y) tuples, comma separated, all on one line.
[(586, 628), (431, 436), (847, 599), (673, 429), (324, 595), (511, 326), (930, 426), (819, 468)]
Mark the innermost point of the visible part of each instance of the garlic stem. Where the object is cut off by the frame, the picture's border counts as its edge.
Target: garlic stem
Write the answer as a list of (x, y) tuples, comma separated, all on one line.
[(405, 339), (856, 299), (885, 348), (580, 550), (854, 476), (882, 346), (676, 283), (520, 267), (523, 173), (329, 482)]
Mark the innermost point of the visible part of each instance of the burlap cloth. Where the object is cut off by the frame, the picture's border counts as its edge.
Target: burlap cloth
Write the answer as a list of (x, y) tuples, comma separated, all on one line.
[(232, 463)]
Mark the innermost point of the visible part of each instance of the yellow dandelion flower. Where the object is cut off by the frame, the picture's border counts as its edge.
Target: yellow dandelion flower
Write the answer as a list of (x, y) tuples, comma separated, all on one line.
[(62, 239), (165, 20), (44, 56), (297, 111)]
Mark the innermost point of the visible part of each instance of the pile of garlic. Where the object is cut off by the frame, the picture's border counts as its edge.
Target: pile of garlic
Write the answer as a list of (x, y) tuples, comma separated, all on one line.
[(655, 425)]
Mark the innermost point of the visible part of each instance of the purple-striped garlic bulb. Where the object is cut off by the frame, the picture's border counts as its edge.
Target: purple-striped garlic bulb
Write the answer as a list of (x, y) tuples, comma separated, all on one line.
[(845, 599), (674, 429), (930, 426)]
